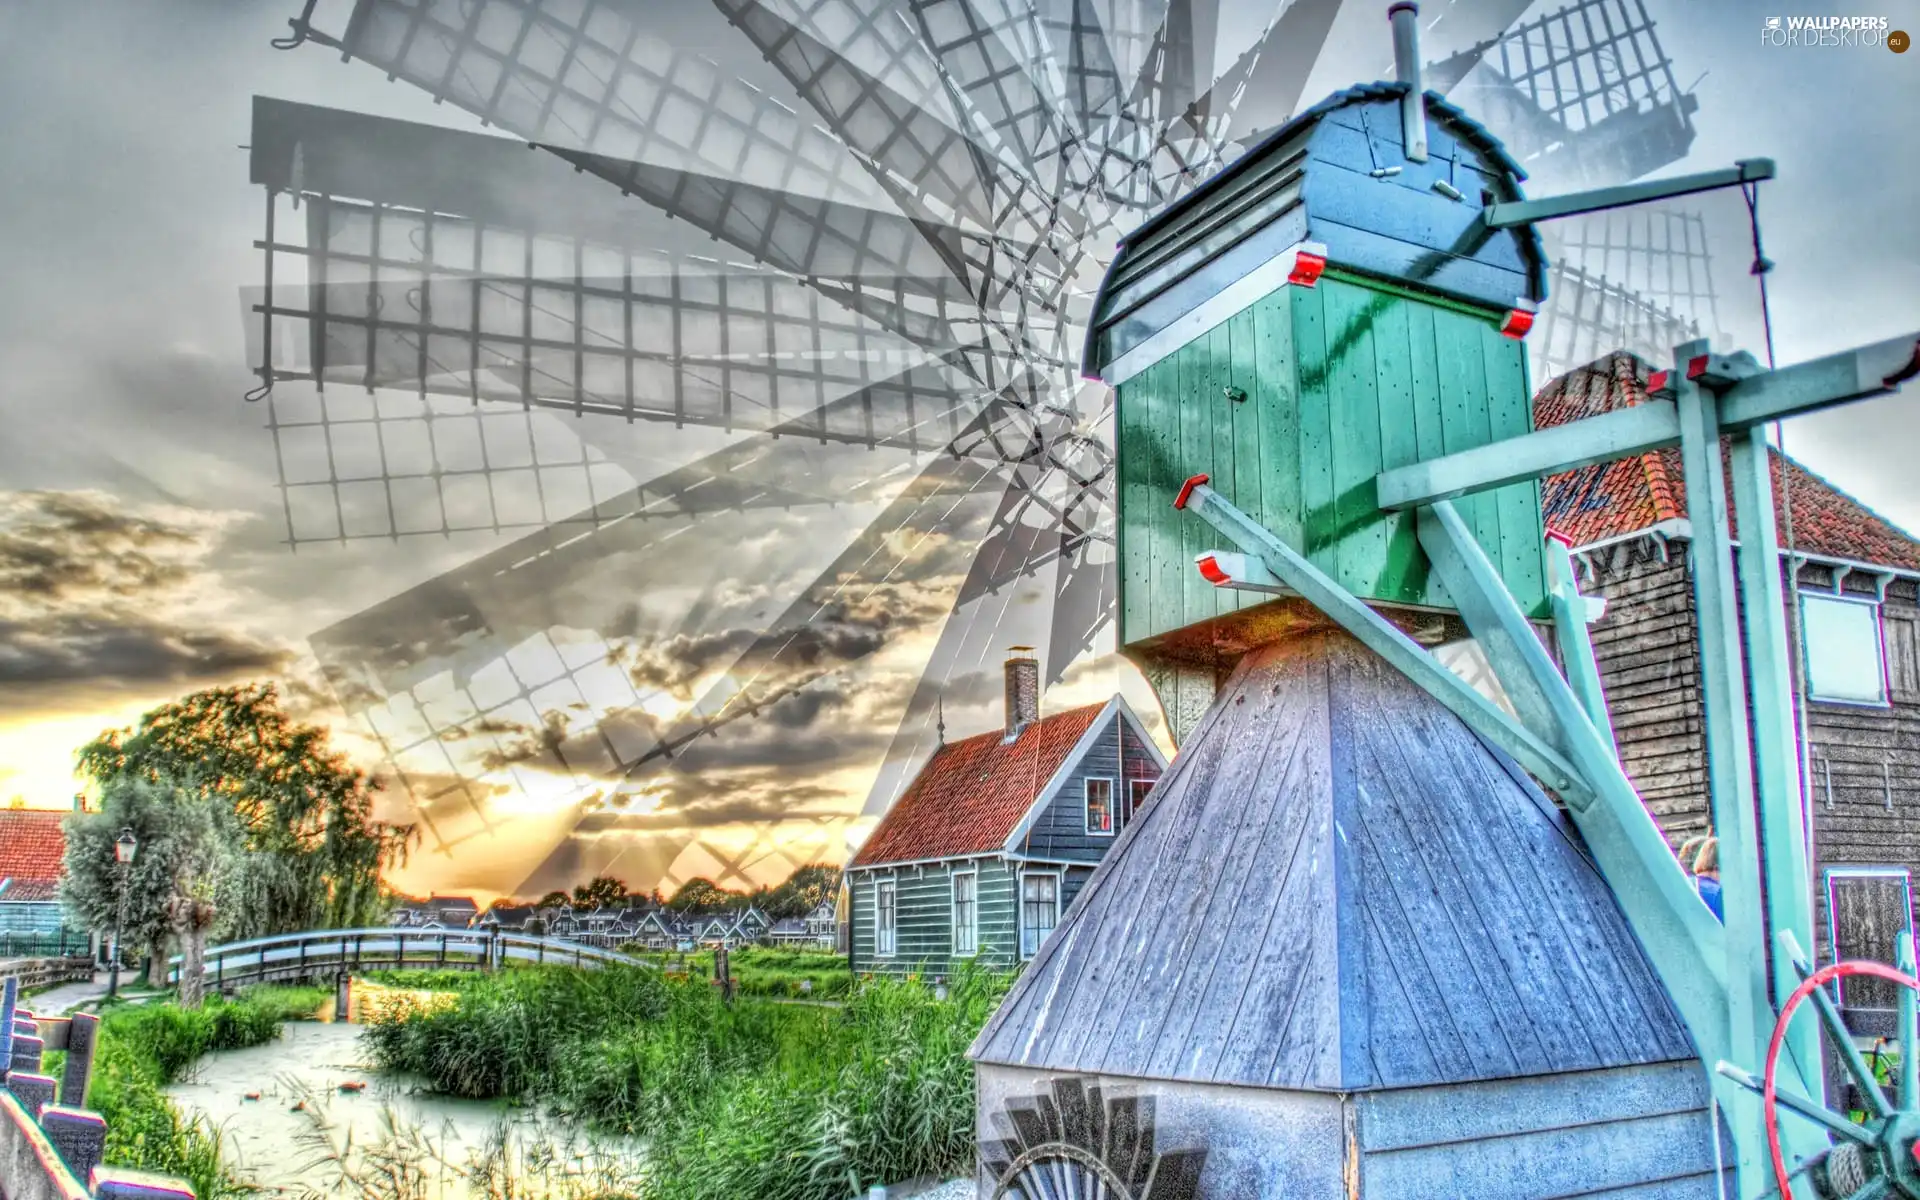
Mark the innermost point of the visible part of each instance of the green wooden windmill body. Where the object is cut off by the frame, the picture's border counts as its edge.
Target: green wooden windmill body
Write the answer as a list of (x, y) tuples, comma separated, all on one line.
[(1292, 391)]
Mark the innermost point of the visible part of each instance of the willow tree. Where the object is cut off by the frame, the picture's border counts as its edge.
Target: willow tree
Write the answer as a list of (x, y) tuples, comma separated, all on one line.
[(302, 848), (167, 891)]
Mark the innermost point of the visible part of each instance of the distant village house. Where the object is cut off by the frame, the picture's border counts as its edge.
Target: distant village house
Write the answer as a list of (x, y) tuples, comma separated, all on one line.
[(995, 836)]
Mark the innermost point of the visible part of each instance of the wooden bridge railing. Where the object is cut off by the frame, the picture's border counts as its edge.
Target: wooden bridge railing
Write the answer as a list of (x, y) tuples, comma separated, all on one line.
[(327, 951)]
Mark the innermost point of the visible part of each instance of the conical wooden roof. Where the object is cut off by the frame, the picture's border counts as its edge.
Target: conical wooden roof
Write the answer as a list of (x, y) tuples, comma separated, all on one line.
[(1339, 887)]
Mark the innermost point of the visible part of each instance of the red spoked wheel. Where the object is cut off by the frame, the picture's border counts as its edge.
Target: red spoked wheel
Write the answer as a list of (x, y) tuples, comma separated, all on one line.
[(1870, 1160)]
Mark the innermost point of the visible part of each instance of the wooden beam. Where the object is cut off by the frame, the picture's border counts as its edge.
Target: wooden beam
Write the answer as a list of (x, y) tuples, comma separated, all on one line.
[(1618, 434), (1508, 213), (1842, 378)]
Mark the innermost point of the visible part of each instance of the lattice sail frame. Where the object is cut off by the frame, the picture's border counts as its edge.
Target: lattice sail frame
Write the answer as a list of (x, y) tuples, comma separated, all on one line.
[(977, 162)]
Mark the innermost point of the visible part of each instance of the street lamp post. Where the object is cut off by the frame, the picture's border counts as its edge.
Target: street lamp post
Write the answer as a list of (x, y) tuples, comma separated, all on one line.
[(124, 847)]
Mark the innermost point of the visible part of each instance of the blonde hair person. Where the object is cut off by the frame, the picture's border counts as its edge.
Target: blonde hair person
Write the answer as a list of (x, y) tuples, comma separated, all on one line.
[(1700, 857)]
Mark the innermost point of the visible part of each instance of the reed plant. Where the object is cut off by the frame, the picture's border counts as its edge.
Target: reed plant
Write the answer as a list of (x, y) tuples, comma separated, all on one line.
[(144, 1048), (756, 1098)]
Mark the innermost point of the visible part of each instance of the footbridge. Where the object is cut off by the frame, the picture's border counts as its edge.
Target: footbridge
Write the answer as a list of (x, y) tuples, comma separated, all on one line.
[(325, 953)]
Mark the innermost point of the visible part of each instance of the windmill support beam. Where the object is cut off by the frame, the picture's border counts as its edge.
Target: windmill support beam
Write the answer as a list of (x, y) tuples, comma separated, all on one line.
[(1507, 213), (1687, 946), (1786, 879), (1724, 696), (1383, 638), (1745, 403), (1572, 613)]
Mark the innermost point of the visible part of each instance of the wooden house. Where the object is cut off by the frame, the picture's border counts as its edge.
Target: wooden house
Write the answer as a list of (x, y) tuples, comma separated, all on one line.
[(815, 930), (1857, 683), (993, 839), (33, 846)]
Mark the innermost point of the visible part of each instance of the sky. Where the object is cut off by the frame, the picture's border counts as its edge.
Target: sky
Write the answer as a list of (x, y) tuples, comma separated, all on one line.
[(143, 531)]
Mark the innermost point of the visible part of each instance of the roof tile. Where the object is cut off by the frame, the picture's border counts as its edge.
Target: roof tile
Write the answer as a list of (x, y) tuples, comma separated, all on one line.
[(971, 793), (1629, 495), (32, 845)]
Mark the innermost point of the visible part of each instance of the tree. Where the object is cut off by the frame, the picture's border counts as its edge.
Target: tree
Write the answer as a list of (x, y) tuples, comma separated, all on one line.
[(702, 898), (169, 885), (305, 849), (555, 900), (602, 892)]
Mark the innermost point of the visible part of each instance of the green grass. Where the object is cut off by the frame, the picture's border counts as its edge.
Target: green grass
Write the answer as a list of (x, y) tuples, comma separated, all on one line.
[(773, 1101), (143, 1048), (767, 971)]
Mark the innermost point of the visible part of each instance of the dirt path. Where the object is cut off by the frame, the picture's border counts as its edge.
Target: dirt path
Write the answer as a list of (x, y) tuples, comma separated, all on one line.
[(58, 1001)]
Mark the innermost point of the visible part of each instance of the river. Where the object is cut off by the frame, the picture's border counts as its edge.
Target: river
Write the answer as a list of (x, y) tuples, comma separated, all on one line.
[(288, 1126)]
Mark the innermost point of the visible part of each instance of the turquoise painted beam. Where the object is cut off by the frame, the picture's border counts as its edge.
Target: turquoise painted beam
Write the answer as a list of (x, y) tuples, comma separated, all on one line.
[(1572, 613), (1787, 879), (1508, 213), (1729, 763), (1388, 641), (1687, 946), (1747, 402), (1618, 434), (1842, 378)]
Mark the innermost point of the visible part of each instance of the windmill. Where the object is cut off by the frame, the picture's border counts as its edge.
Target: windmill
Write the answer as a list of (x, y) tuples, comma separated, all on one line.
[(883, 309)]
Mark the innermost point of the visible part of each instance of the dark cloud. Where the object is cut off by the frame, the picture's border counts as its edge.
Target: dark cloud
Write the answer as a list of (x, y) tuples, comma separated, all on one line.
[(692, 802), (98, 597)]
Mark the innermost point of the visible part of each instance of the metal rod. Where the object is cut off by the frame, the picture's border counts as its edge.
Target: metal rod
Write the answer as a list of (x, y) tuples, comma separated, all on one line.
[(1507, 213)]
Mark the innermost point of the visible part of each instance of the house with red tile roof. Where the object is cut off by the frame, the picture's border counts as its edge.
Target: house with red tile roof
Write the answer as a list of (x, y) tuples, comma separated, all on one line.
[(993, 839), (1854, 584), (33, 844)]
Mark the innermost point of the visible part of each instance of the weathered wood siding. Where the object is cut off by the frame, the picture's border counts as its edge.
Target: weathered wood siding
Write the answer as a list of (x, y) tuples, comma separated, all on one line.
[(1864, 778), (1864, 760), (1647, 647), (1341, 380), (1059, 831), (924, 907), (1640, 1131)]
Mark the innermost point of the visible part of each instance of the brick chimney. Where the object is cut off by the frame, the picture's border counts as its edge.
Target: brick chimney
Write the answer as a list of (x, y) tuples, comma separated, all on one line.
[(1023, 690)]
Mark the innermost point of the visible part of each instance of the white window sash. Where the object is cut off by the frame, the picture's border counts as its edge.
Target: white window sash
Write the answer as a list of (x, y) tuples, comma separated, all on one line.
[(1087, 807), (1818, 652), (886, 919), (966, 913), (1046, 904)]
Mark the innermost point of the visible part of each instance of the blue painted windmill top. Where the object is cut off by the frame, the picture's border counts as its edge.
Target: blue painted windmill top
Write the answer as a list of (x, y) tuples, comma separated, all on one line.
[(1336, 175)]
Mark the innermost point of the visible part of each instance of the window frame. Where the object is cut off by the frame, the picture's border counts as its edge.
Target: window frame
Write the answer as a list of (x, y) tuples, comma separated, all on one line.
[(1086, 806), (890, 947), (1851, 871), (1137, 792), (1879, 643), (972, 925), (1027, 955)]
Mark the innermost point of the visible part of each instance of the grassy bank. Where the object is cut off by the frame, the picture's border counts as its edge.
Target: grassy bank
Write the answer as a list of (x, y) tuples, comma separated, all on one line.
[(144, 1048), (773, 1101), (767, 970)]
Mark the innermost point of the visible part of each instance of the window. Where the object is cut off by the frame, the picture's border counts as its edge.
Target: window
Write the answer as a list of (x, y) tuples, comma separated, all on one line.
[(966, 918), (1867, 907), (1843, 660), (1039, 911), (1099, 806), (1137, 796), (885, 927)]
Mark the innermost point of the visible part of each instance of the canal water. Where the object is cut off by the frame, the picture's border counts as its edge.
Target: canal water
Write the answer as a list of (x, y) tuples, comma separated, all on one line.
[(309, 1116)]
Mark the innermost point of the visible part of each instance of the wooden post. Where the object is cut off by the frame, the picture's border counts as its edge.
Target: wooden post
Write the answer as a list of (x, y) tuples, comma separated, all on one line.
[(1723, 690), (81, 1035)]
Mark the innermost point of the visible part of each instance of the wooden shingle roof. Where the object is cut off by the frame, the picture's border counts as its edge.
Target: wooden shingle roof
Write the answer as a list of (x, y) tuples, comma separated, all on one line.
[(1338, 887), (1632, 495), (972, 793)]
